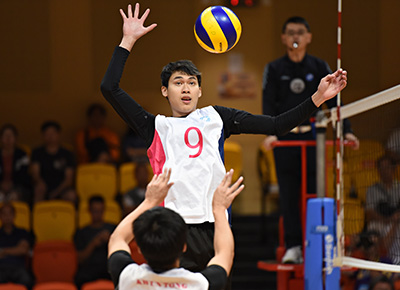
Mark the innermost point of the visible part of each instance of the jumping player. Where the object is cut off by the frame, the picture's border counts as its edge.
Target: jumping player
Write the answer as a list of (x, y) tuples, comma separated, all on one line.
[(191, 141), (161, 236)]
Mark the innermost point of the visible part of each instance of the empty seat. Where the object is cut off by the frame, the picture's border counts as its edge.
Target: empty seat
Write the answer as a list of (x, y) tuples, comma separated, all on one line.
[(54, 220), (54, 261), (96, 179)]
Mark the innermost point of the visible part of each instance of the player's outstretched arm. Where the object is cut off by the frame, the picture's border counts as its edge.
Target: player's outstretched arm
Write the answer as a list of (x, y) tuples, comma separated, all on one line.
[(133, 27), (156, 192), (223, 238), (330, 86)]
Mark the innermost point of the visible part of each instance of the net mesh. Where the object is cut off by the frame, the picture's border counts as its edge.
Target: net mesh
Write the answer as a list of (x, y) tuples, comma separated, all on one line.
[(369, 211)]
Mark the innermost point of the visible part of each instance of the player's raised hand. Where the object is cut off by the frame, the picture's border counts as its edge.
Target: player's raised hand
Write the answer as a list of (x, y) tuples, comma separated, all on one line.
[(225, 193), (330, 86), (158, 187), (133, 27)]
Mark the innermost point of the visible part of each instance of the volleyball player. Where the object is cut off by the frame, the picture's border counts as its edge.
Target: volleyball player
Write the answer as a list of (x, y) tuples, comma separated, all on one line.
[(161, 236), (191, 141)]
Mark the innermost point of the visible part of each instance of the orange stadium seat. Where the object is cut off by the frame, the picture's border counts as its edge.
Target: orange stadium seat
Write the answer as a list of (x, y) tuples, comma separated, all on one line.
[(98, 285), (54, 220), (12, 286), (96, 179), (55, 286), (54, 261)]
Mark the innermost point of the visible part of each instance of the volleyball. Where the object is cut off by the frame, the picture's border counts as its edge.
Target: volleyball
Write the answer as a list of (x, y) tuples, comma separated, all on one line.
[(217, 29)]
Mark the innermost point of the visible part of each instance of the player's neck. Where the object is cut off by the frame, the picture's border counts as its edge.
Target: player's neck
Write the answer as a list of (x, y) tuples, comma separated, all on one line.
[(296, 55)]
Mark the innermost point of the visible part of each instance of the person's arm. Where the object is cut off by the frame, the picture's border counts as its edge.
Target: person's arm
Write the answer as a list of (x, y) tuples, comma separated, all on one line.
[(129, 110), (21, 249), (237, 122), (224, 244), (100, 239), (66, 183), (156, 191)]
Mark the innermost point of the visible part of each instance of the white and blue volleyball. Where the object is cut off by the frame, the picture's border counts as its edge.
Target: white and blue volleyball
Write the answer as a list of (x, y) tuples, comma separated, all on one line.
[(217, 29)]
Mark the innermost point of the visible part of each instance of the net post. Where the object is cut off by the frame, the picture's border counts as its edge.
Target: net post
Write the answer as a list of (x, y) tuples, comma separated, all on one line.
[(321, 125)]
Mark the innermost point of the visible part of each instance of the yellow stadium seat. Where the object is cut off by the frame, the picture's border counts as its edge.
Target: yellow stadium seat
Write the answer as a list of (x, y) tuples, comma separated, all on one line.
[(54, 220), (22, 215), (353, 216), (96, 179), (127, 180), (112, 213), (233, 158)]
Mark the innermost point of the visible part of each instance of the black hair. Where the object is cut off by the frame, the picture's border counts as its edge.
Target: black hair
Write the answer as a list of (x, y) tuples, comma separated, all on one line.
[(96, 198), (96, 147), (50, 124), (9, 205), (96, 107), (381, 279), (185, 66), (297, 20), (8, 126), (160, 234), (388, 158)]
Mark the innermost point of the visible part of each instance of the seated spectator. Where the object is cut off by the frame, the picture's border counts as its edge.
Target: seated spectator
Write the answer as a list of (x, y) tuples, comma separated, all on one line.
[(393, 145), (382, 207), (14, 249), (96, 129), (133, 148), (15, 182), (91, 244), (52, 165), (133, 197), (381, 283)]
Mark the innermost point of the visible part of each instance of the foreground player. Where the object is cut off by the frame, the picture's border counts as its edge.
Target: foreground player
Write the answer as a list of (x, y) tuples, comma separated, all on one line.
[(161, 236), (191, 141)]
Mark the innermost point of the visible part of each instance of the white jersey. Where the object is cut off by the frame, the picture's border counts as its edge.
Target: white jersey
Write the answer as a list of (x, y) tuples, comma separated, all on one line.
[(193, 148), (141, 277)]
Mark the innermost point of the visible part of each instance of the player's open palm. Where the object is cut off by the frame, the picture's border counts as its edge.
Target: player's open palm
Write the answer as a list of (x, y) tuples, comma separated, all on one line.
[(133, 26), (332, 84)]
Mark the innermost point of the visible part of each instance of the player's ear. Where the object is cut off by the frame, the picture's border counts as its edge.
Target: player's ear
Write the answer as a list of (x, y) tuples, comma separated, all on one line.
[(283, 39), (164, 91), (308, 37), (184, 248), (200, 92)]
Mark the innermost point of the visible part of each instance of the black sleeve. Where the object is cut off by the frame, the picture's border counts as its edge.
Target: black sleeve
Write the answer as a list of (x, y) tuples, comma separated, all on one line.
[(270, 91), (116, 263), (133, 114), (237, 122), (216, 276)]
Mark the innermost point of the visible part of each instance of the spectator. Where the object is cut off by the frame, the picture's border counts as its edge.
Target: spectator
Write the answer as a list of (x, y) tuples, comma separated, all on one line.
[(133, 197), (96, 129), (381, 283), (52, 166), (15, 183), (14, 249), (133, 147), (91, 244)]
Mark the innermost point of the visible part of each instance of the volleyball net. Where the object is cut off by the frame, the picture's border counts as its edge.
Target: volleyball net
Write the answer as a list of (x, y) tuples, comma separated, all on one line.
[(366, 183)]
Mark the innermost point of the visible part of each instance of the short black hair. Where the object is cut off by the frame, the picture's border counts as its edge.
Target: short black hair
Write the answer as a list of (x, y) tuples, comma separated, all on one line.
[(160, 234), (8, 126), (50, 124), (297, 20), (96, 198), (185, 66), (96, 107)]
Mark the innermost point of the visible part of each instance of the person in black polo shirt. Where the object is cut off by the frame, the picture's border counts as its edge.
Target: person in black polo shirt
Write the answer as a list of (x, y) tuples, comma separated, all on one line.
[(14, 249), (52, 166), (287, 82)]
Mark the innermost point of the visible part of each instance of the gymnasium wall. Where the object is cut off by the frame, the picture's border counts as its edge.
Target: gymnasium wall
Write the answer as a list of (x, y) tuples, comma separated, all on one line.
[(54, 54)]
